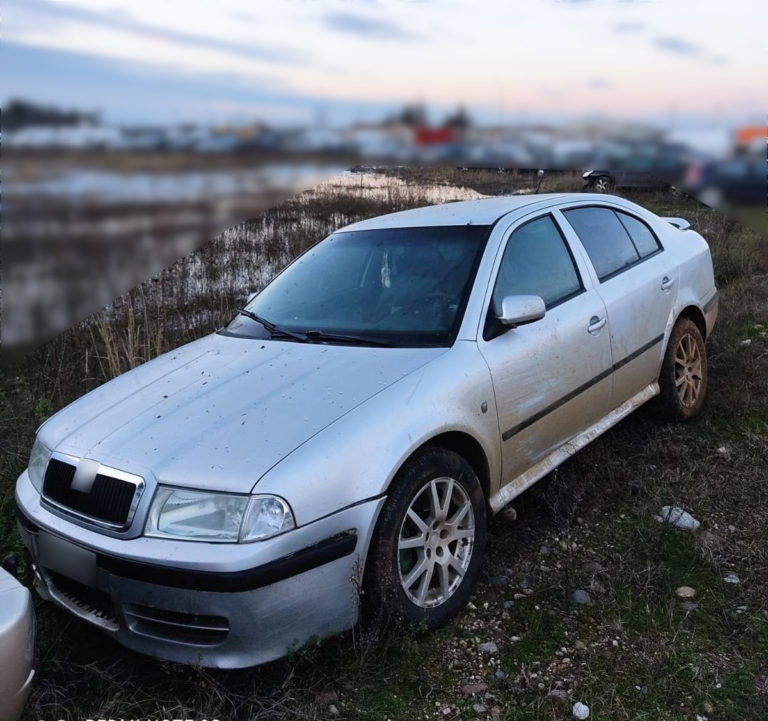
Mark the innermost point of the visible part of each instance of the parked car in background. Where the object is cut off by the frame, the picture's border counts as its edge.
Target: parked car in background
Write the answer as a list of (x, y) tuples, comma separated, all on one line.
[(741, 181), (357, 422), (636, 165), (17, 646)]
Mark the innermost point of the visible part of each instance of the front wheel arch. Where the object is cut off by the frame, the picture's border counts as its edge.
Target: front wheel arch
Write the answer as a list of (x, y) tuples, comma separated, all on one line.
[(383, 590), (469, 449), (459, 442)]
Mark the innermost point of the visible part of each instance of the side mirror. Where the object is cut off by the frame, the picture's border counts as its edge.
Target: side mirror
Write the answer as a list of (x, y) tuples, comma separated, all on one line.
[(521, 309), (251, 296)]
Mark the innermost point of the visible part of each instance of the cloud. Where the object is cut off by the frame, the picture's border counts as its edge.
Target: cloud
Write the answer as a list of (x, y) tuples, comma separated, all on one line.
[(122, 21), (367, 27), (599, 83), (688, 49), (141, 93), (677, 45), (629, 27)]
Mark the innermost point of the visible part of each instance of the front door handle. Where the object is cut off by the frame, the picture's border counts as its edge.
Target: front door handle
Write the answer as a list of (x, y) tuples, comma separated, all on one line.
[(595, 324), (667, 283)]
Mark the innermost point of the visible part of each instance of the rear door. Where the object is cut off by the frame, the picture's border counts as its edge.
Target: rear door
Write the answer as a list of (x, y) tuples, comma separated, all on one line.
[(638, 282), (639, 166), (552, 377)]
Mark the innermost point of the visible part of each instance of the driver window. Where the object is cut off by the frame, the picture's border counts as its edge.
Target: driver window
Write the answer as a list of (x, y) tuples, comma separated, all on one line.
[(536, 261)]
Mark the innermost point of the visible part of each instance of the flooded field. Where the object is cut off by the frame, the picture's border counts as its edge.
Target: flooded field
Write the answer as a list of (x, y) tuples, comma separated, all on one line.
[(78, 235), (201, 291)]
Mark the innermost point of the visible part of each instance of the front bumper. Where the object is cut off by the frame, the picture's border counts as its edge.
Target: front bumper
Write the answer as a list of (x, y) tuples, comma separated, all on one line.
[(220, 605)]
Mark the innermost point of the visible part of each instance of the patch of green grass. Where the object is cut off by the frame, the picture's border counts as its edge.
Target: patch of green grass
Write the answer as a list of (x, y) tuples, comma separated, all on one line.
[(641, 616), (675, 551), (539, 629), (392, 701), (755, 216), (733, 426), (735, 697)]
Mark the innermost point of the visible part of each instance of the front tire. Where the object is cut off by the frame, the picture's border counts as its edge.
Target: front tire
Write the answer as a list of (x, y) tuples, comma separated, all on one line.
[(429, 541), (683, 377)]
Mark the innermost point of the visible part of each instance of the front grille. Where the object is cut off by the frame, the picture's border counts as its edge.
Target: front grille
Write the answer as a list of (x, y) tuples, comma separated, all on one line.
[(109, 498), (188, 628)]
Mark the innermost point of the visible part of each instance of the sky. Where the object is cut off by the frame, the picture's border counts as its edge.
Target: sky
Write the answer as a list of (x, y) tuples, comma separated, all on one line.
[(338, 61)]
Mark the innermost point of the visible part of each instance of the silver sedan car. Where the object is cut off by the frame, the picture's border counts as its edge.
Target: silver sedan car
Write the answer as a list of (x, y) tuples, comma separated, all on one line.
[(17, 646), (341, 443)]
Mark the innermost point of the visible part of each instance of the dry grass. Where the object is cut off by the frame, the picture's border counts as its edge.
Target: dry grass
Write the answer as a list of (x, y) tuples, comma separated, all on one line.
[(633, 653)]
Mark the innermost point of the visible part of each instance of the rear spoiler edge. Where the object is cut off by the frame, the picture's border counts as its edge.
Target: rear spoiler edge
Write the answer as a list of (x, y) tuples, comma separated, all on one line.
[(679, 223)]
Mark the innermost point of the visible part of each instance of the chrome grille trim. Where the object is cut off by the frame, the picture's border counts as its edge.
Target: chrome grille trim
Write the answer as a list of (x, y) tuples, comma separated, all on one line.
[(132, 478)]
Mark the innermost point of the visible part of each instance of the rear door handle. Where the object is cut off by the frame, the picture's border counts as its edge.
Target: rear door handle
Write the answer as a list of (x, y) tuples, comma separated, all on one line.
[(667, 282), (595, 324)]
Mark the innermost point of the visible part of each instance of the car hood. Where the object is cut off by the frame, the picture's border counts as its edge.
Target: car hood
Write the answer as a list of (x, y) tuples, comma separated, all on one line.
[(220, 412)]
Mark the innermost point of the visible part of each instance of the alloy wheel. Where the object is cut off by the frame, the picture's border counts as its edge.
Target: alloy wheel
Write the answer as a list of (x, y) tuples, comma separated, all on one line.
[(688, 370), (602, 185), (435, 542)]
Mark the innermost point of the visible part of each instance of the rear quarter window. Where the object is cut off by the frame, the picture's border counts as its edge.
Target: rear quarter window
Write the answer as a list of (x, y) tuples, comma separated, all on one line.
[(642, 236), (605, 239)]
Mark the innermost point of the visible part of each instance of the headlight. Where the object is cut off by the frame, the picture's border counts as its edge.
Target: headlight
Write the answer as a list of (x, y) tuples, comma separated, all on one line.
[(216, 517), (587, 173), (38, 460)]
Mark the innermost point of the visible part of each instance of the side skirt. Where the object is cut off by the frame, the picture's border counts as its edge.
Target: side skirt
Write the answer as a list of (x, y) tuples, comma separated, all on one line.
[(536, 472)]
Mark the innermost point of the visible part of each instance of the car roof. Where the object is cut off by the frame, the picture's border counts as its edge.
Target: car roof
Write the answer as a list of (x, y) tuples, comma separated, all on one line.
[(484, 211)]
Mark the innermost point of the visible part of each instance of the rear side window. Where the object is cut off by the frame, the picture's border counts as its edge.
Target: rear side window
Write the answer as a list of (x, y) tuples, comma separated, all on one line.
[(605, 239), (642, 236), (536, 261)]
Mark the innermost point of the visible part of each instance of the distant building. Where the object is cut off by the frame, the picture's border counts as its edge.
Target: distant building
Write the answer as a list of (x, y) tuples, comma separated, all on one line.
[(751, 138), (389, 139), (19, 114)]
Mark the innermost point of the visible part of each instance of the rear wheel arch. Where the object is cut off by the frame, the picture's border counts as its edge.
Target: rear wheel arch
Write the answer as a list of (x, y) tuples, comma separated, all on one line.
[(603, 183), (695, 314), (683, 375)]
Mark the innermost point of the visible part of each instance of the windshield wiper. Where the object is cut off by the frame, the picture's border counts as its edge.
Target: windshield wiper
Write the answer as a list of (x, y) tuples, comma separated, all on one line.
[(311, 336), (349, 339), (273, 330)]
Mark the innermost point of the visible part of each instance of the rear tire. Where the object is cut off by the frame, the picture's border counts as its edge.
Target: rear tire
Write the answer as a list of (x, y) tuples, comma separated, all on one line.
[(429, 541), (603, 184), (683, 377)]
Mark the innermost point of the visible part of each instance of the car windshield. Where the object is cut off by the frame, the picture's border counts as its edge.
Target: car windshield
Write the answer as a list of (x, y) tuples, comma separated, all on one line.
[(399, 287)]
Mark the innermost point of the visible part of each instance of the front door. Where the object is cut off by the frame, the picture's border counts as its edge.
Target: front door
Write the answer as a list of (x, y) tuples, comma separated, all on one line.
[(552, 377)]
